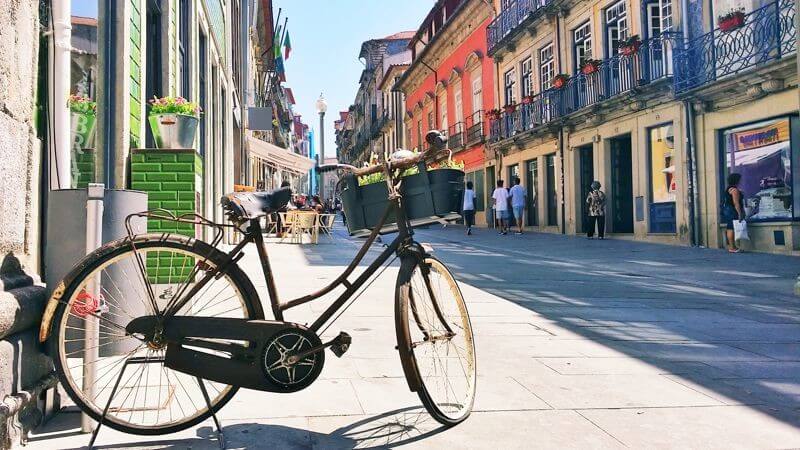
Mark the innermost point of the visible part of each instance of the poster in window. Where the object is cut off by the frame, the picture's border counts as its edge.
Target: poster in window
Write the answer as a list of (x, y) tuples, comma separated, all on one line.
[(761, 153)]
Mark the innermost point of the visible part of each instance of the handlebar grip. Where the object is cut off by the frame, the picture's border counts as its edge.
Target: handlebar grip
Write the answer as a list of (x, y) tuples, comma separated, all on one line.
[(327, 168)]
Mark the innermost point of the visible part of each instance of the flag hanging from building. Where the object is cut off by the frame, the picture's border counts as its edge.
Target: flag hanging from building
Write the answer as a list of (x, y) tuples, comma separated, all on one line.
[(276, 45), (279, 69), (287, 46)]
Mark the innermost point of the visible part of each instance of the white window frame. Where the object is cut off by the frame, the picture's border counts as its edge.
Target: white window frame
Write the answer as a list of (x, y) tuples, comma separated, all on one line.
[(547, 66)]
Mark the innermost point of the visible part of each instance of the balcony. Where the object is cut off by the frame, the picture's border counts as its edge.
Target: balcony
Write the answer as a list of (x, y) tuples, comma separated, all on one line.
[(619, 74), (455, 137), (767, 34), (517, 12), (473, 126)]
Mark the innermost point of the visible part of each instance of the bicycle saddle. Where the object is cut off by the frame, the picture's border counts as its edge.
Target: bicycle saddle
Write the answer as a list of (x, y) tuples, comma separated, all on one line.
[(251, 205)]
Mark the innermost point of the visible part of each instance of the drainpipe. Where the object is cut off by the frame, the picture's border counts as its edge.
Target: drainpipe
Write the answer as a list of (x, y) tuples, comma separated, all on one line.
[(691, 148), (561, 139), (60, 48)]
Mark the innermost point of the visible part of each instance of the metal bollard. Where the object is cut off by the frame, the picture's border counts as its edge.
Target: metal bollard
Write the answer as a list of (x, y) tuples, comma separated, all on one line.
[(94, 240)]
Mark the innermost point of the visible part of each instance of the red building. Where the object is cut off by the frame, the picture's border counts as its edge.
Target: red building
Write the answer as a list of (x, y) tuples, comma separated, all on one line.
[(450, 83)]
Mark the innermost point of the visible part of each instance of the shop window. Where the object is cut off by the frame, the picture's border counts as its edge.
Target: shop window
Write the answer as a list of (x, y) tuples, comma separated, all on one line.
[(762, 154), (663, 186), (476, 178)]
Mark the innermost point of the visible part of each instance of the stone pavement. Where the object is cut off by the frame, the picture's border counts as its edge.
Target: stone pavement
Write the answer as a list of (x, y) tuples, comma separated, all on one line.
[(580, 344)]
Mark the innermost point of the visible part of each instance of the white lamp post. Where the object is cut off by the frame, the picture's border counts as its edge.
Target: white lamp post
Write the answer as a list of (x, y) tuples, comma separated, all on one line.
[(322, 106)]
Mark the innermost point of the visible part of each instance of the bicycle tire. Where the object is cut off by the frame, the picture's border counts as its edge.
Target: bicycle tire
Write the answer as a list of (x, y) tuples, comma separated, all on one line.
[(116, 249), (405, 304)]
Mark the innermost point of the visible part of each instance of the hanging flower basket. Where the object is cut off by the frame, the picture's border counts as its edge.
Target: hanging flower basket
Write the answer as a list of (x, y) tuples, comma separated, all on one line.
[(590, 66), (731, 21), (174, 121), (630, 46), (560, 80), (527, 100), (509, 108)]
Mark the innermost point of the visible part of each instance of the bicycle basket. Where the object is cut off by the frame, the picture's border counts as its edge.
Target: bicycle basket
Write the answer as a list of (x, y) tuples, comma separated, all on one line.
[(429, 196)]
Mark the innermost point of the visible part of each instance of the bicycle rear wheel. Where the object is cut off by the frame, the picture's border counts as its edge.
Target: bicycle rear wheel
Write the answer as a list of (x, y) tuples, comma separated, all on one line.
[(105, 295), (434, 335)]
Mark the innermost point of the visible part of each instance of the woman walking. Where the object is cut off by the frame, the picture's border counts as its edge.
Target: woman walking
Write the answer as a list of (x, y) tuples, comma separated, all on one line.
[(596, 200), (469, 207), (732, 209)]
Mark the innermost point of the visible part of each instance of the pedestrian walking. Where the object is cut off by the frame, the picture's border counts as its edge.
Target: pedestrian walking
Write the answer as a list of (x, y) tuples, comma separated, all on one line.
[(469, 207), (732, 209), (500, 198), (596, 200), (518, 196)]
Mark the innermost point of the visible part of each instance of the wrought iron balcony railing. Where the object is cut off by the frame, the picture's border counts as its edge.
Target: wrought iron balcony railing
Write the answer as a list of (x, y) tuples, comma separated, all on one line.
[(511, 17), (767, 34), (473, 126), (455, 136), (652, 61)]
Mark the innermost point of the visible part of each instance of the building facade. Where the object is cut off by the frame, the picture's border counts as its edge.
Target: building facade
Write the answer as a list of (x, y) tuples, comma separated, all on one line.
[(373, 115), (449, 85), (652, 102)]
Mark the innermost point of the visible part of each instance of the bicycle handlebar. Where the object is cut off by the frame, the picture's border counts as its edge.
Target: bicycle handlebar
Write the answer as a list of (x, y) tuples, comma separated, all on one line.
[(435, 138)]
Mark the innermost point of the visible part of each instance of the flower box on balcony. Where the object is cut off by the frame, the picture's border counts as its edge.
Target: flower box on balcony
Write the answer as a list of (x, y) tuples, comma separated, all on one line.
[(493, 114), (630, 46), (731, 21), (560, 80), (509, 108), (527, 100), (590, 66)]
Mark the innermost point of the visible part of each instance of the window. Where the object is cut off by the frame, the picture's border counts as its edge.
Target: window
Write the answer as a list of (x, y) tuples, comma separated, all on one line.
[(477, 93), (547, 67), (431, 119), (419, 135), (582, 44), (183, 48), (154, 61), (458, 105), (666, 15), (477, 181), (663, 187), (762, 153), (443, 112), (203, 63), (509, 82), (616, 27), (527, 77)]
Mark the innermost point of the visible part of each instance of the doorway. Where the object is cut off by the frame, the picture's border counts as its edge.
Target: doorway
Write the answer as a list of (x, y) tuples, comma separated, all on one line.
[(585, 178), (490, 185), (552, 193), (530, 186), (513, 173), (621, 185)]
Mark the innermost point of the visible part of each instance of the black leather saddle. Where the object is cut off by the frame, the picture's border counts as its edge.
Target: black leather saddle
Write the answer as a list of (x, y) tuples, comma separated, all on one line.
[(251, 205)]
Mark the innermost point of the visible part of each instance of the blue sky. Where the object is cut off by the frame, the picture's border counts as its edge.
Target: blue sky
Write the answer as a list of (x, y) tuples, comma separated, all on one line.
[(326, 37)]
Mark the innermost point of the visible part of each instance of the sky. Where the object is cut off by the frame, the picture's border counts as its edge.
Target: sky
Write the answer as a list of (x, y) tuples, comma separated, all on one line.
[(326, 37)]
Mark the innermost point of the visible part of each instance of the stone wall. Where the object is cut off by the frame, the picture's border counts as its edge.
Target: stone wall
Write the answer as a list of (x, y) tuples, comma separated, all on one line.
[(23, 366)]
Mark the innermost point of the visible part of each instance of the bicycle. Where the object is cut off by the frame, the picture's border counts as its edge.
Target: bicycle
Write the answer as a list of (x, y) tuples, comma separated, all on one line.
[(137, 352)]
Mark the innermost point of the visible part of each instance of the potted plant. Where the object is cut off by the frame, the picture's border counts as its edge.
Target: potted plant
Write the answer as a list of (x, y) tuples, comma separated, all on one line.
[(732, 20), (527, 100), (83, 118), (631, 45), (590, 66), (493, 114), (508, 109), (560, 80), (430, 194), (174, 121)]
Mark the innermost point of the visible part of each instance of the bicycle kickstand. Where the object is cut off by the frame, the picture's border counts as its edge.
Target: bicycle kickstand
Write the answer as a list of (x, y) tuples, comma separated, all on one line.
[(220, 435)]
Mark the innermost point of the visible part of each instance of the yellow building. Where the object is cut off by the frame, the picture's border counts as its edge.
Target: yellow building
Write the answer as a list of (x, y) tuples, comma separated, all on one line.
[(623, 92)]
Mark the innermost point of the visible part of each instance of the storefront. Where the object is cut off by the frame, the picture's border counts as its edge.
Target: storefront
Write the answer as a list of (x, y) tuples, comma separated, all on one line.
[(764, 153), (270, 165)]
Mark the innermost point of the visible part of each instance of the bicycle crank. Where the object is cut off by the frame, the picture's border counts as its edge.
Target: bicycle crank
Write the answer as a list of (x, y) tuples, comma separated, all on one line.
[(339, 345)]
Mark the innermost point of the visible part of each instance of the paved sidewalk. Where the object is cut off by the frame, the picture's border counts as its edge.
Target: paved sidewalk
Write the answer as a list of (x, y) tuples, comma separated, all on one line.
[(580, 344)]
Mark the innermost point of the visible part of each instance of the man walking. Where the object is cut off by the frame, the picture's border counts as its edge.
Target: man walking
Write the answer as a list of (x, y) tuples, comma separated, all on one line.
[(500, 198), (469, 207), (518, 196)]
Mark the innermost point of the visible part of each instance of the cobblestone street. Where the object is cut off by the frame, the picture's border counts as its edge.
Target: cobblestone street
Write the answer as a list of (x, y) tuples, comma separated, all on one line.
[(580, 344)]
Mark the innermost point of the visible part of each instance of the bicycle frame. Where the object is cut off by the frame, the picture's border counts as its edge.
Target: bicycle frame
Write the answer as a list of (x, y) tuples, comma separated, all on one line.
[(402, 244)]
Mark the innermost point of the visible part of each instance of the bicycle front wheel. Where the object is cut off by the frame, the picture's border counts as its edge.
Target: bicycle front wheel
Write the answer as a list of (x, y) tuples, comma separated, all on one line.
[(95, 357), (434, 335)]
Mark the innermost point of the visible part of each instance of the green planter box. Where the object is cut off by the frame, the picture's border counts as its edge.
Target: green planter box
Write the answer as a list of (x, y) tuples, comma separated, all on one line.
[(428, 197)]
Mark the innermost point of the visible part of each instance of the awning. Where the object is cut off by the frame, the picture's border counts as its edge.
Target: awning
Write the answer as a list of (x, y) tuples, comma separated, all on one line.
[(280, 157)]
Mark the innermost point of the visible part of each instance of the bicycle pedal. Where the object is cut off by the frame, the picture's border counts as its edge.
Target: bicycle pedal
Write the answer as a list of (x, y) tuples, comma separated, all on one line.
[(341, 344)]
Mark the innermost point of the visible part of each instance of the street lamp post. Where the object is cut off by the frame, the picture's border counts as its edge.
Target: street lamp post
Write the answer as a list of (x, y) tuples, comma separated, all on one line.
[(322, 106)]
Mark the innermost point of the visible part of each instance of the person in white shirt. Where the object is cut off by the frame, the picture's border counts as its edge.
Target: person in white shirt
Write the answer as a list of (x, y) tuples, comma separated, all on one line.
[(469, 207), (518, 196), (500, 198)]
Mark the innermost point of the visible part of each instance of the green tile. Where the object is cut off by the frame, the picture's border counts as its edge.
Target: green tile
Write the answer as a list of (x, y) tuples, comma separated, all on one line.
[(162, 176), (176, 167), (145, 167)]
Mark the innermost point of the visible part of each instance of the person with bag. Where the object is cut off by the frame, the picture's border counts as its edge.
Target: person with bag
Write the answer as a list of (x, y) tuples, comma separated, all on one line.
[(733, 213), (596, 201)]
